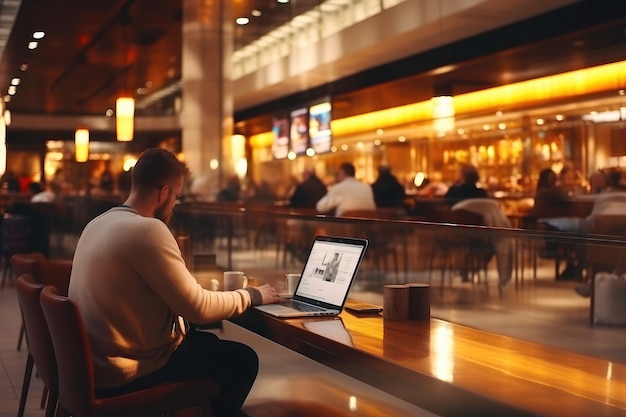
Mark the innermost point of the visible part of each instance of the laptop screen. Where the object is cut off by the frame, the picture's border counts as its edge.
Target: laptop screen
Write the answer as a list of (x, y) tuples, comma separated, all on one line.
[(330, 269)]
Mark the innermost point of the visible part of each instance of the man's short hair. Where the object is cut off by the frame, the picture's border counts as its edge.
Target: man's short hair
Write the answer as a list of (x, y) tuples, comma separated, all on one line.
[(348, 169), (470, 174), (157, 167)]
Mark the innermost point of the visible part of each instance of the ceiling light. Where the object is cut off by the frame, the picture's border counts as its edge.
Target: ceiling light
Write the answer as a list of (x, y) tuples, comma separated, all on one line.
[(23, 67), (12, 90), (124, 118), (559, 117), (443, 110), (401, 139), (242, 21), (81, 145), (15, 81), (7, 98), (283, 1), (501, 126), (32, 45), (39, 34), (256, 13), (540, 122)]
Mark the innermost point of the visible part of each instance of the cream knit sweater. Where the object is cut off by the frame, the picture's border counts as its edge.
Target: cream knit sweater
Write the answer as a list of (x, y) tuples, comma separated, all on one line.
[(130, 284)]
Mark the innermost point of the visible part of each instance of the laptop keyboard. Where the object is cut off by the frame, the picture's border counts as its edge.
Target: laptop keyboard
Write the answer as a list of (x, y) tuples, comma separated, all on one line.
[(297, 305)]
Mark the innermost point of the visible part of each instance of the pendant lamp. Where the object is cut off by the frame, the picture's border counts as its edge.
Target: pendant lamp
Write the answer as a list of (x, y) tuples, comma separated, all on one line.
[(125, 118), (81, 145)]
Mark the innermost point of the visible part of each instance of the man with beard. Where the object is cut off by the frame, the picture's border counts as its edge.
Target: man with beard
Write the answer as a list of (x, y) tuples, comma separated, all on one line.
[(135, 293)]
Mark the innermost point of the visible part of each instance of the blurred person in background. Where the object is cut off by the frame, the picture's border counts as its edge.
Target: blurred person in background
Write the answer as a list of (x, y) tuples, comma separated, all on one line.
[(598, 181), (231, 191), (547, 193), (307, 193), (39, 194), (552, 197), (465, 188), (610, 202), (433, 186), (261, 192), (10, 182), (347, 194), (388, 192)]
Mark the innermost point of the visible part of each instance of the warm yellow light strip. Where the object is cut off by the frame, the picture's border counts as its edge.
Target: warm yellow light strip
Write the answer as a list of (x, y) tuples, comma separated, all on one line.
[(567, 85), (570, 84), (262, 140), (560, 86)]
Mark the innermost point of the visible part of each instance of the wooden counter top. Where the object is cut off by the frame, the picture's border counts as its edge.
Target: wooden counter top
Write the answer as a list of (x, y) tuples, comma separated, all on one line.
[(451, 369)]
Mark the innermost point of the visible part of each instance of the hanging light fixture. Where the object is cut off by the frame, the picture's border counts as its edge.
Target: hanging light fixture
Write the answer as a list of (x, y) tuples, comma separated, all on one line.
[(81, 145), (125, 104), (443, 110), (125, 118), (3, 144)]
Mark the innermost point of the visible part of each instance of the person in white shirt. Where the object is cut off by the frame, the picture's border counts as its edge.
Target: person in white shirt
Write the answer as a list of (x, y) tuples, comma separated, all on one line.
[(347, 194)]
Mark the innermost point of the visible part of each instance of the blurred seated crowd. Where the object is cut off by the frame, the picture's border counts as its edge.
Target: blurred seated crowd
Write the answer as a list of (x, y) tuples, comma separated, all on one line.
[(563, 201)]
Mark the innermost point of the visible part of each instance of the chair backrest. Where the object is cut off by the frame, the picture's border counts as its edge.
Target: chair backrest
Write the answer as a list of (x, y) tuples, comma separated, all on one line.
[(463, 216), (37, 334), (72, 352), (54, 272), (24, 263), (44, 271), (607, 257)]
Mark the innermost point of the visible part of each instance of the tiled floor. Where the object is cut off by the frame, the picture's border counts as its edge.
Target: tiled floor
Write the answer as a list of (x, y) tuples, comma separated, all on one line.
[(545, 311)]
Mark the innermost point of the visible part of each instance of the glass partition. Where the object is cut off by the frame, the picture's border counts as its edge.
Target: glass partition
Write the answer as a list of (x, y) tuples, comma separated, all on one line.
[(522, 279)]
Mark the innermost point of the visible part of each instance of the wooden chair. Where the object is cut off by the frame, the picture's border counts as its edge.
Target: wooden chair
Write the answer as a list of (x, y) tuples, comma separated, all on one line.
[(382, 239), (467, 251), (23, 263), (46, 272), (40, 351), (74, 362), (598, 257)]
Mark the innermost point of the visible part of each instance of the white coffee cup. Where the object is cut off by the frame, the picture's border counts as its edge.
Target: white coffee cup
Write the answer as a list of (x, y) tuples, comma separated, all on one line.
[(234, 280), (292, 282)]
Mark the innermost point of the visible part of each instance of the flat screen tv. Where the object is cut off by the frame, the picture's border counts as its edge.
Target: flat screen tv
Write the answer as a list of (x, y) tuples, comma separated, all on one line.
[(319, 127), (280, 129), (299, 130)]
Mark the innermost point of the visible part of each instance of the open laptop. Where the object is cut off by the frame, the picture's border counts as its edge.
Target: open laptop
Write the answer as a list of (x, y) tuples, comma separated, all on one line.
[(328, 274)]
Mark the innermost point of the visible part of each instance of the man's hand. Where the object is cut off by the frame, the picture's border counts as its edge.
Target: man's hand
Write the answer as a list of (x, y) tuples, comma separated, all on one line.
[(269, 294)]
